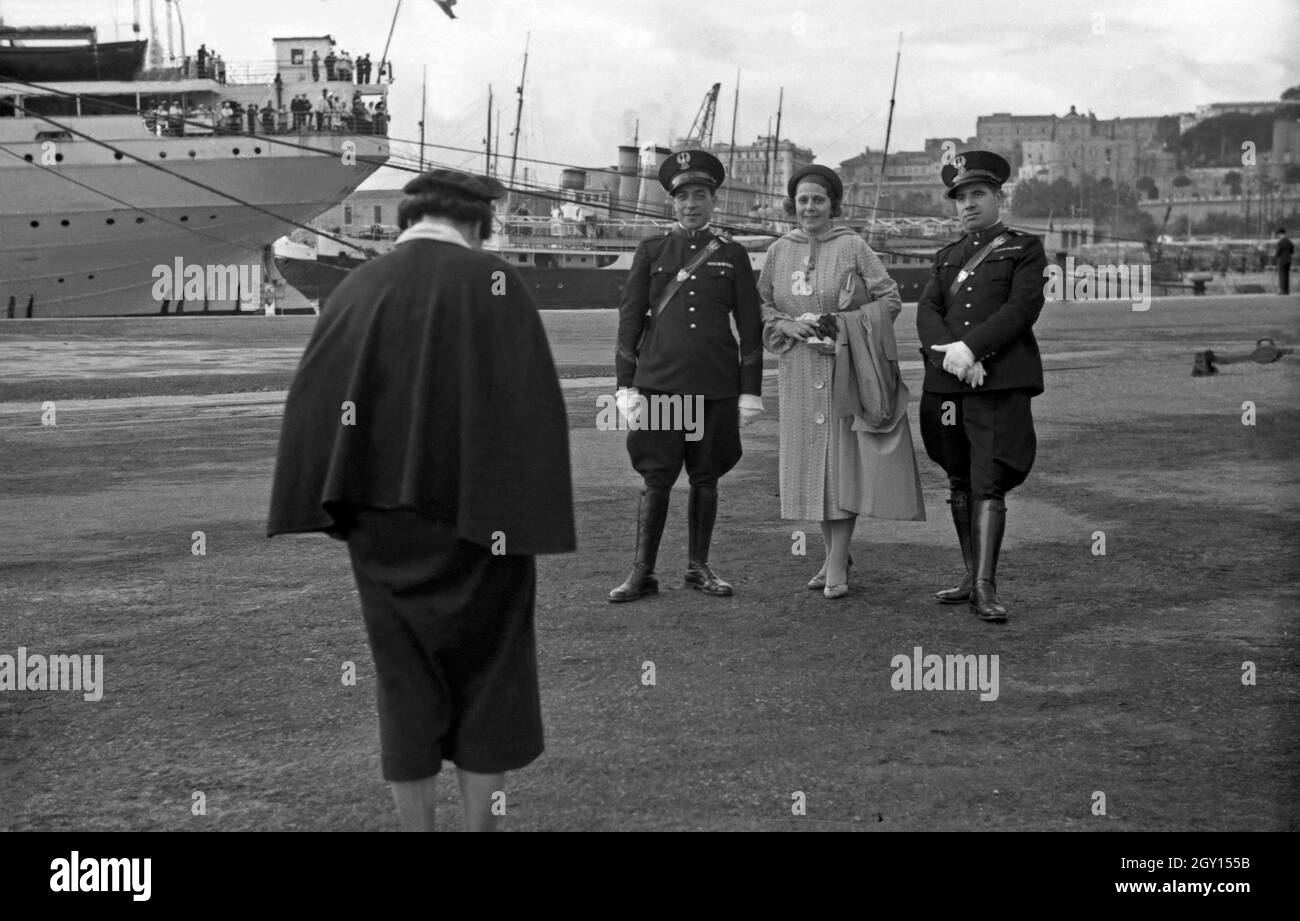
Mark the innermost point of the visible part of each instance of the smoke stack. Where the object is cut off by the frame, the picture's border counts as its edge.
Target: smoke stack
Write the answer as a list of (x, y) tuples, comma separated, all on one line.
[(652, 196), (573, 179), (627, 179)]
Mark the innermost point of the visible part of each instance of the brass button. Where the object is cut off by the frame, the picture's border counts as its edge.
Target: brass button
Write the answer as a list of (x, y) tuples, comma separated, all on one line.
[(692, 326), (820, 384), (819, 418)]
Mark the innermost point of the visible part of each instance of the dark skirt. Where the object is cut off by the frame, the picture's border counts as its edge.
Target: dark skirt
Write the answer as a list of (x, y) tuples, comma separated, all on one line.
[(451, 631)]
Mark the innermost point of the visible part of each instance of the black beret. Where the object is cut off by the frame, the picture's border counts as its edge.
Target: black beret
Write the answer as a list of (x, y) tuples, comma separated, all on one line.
[(975, 166), (816, 169), (484, 188), (688, 166)]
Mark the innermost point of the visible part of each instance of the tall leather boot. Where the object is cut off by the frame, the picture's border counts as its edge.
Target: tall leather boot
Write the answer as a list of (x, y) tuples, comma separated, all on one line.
[(959, 503), (988, 521), (701, 513), (651, 514)]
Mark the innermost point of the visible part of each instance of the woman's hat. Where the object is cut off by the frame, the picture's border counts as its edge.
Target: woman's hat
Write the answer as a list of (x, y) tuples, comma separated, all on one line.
[(816, 169)]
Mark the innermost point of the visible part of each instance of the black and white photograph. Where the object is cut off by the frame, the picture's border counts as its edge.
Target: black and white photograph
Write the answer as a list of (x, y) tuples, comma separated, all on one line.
[(588, 416)]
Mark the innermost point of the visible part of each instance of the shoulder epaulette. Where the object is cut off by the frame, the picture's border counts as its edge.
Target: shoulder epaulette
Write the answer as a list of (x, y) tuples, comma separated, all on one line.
[(723, 236)]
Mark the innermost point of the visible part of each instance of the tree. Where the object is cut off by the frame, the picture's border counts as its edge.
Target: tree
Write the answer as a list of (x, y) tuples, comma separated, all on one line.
[(1292, 92), (1217, 141), (1182, 182)]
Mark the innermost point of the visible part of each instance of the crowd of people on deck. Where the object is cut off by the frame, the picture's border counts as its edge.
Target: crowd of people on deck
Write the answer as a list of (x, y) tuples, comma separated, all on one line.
[(327, 112), (342, 67)]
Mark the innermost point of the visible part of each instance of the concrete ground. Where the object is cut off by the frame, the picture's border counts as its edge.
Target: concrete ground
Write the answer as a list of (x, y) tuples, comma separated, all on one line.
[(1120, 674)]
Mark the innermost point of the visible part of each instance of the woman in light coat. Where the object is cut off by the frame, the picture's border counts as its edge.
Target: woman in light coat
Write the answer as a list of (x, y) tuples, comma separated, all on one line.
[(845, 442)]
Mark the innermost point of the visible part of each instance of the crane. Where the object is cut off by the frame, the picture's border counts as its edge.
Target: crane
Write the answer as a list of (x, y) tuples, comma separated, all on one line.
[(701, 133)]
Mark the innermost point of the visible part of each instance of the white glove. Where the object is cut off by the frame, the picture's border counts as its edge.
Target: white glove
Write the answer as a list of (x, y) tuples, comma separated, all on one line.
[(751, 407), (629, 404), (957, 358), (975, 376)]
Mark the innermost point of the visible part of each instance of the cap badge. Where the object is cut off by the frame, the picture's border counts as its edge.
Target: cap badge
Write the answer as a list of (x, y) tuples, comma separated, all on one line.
[(960, 163), (684, 159)]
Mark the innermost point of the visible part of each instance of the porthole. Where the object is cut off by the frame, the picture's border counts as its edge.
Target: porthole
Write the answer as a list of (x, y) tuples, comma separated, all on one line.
[(60, 281), (184, 218), (139, 220), (29, 158), (235, 151), (64, 223), (110, 221), (162, 155), (193, 154), (117, 155), (58, 158), (90, 276), (257, 150)]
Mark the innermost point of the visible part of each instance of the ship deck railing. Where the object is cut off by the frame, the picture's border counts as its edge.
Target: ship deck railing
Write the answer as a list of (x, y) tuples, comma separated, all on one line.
[(248, 73), (201, 124), (567, 233)]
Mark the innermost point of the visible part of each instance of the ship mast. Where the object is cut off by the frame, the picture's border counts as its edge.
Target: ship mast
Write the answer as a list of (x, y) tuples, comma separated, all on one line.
[(889, 126), (519, 111), (424, 89), (735, 106), (776, 144), (487, 139), (383, 58)]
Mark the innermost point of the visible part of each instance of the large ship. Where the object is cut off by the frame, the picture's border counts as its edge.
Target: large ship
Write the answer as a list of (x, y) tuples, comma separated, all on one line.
[(575, 258), (121, 185), (566, 264)]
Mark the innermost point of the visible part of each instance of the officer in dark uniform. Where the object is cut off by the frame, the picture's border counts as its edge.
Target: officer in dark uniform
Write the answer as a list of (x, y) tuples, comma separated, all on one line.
[(675, 340), (975, 321)]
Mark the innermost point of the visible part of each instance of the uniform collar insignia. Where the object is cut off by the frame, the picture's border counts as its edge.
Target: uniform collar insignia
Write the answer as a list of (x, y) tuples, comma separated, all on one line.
[(692, 234)]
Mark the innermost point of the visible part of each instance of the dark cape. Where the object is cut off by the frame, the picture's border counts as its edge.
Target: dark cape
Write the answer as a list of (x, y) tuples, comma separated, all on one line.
[(458, 411)]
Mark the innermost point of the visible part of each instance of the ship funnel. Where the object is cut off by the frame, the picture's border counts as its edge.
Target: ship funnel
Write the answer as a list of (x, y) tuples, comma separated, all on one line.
[(652, 197), (573, 179), (628, 184)]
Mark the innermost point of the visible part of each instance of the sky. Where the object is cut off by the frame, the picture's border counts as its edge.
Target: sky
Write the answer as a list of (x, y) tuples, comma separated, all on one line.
[(596, 67)]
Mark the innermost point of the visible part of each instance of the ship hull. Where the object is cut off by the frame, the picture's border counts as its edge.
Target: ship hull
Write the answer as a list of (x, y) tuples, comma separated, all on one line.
[(552, 288), (67, 250)]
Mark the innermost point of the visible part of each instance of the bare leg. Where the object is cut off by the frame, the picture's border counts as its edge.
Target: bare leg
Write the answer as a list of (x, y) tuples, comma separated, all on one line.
[(476, 793), (826, 539), (416, 803), (837, 558)]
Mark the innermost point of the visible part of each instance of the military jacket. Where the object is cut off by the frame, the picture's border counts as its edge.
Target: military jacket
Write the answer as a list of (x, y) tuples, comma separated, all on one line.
[(993, 313), (690, 347)]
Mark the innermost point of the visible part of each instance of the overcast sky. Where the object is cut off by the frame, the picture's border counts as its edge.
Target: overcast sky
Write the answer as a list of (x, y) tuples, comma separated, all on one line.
[(596, 66)]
